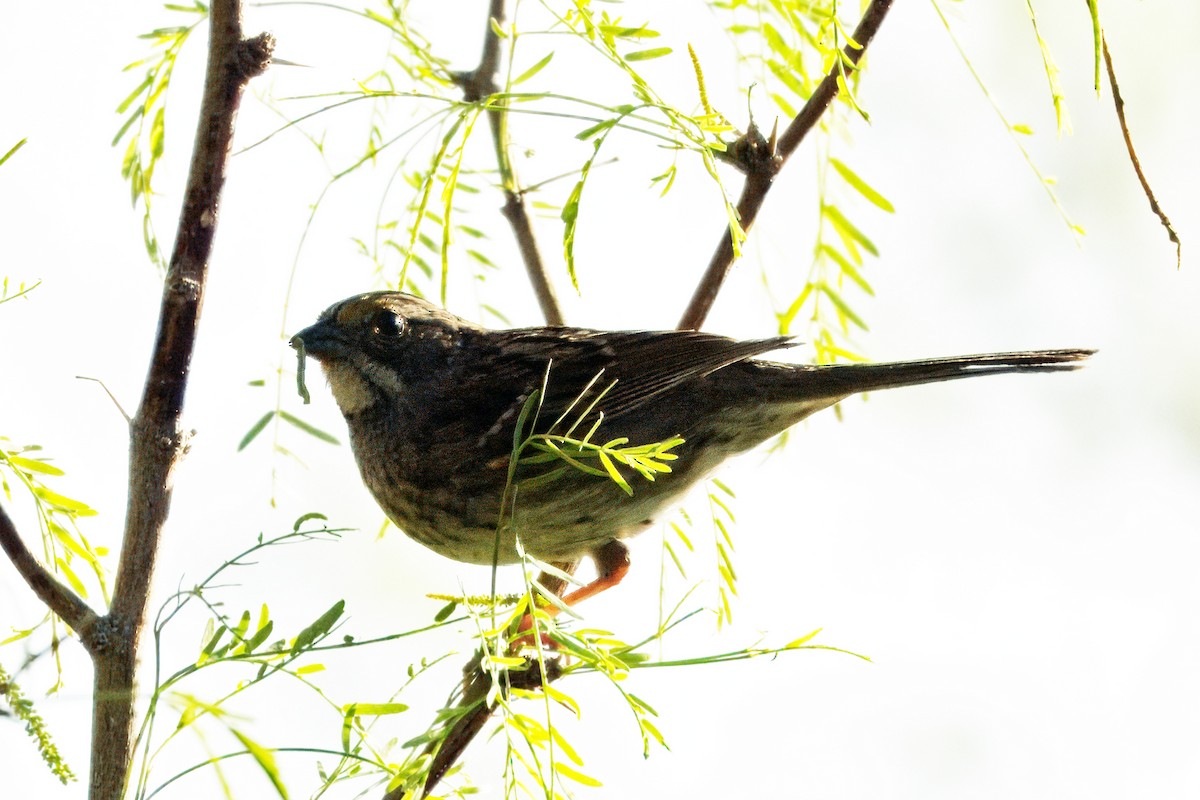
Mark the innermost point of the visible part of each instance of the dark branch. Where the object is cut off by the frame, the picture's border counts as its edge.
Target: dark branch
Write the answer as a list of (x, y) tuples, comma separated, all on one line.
[(58, 598), (760, 173), (157, 438), (478, 85), (1133, 158)]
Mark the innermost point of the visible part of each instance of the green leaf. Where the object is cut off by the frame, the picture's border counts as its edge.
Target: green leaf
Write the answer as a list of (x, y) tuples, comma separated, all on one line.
[(646, 55), (307, 428), (303, 518), (803, 640), (260, 636), (319, 628), (588, 133), (374, 709), (265, 759), (12, 150), (847, 229), (861, 186), (128, 101), (844, 309), (534, 70), (29, 465), (611, 469), (158, 133), (255, 430), (849, 269), (63, 503)]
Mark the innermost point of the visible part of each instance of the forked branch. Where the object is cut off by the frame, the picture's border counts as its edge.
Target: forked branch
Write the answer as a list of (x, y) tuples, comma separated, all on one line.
[(764, 161)]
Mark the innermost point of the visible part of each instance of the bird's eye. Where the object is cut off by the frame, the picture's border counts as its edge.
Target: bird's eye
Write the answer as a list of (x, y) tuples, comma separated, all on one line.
[(387, 323)]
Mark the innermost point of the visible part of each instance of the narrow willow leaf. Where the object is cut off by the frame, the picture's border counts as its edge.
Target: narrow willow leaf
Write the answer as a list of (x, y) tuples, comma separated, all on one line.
[(842, 308), (646, 55), (576, 775), (565, 746), (319, 627), (64, 503), (265, 759), (562, 698), (255, 430), (534, 70), (590, 132), (611, 469), (260, 636), (649, 727), (239, 631), (375, 709), (803, 640), (847, 268), (861, 186), (847, 228), (65, 570), (29, 465), (12, 150), (307, 428), (128, 101)]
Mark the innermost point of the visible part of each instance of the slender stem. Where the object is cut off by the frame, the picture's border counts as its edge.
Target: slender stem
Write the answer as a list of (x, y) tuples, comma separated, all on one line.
[(762, 171), (157, 439), (1119, 103)]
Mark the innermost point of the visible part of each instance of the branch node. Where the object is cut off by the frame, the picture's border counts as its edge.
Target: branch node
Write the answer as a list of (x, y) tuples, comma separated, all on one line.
[(253, 55), (755, 155)]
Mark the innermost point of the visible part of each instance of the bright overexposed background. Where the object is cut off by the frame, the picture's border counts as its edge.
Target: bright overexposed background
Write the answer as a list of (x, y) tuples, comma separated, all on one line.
[(1018, 557)]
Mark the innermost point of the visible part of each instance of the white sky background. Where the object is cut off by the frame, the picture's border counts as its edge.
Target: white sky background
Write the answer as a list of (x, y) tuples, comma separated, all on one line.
[(1017, 556)]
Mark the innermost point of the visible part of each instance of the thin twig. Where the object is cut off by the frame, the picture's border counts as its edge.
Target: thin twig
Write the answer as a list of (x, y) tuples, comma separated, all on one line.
[(1133, 158), (762, 166), (157, 439), (478, 85), (58, 597)]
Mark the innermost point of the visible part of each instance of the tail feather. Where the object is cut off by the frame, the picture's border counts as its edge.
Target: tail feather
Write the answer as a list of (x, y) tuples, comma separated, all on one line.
[(811, 388), (847, 379)]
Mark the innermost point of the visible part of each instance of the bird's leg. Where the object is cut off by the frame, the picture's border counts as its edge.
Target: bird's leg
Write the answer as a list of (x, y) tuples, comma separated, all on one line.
[(554, 583), (612, 564)]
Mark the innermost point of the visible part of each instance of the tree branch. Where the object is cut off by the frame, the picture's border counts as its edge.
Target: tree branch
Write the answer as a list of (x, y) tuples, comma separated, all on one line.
[(761, 171), (58, 597), (1119, 103), (478, 85), (157, 440)]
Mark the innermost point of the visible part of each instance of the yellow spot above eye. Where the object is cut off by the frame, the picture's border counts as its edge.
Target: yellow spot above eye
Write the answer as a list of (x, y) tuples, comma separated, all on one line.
[(356, 311)]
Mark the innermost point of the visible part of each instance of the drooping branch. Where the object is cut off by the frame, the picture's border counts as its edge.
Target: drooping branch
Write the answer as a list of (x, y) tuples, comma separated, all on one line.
[(157, 438), (478, 85), (762, 159), (1119, 103), (58, 597)]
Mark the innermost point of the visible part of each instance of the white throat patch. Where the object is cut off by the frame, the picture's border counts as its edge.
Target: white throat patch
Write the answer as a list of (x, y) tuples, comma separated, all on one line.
[(350, 389)]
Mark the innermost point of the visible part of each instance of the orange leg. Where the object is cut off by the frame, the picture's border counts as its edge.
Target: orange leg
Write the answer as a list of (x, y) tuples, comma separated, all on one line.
[(612, 564)]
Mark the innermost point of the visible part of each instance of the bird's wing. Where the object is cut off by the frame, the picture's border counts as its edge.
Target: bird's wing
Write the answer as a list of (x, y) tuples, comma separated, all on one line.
[(633, 366)]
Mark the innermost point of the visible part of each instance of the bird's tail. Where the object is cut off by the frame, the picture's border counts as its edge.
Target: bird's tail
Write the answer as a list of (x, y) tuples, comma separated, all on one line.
[(811, 388), (847, 379)]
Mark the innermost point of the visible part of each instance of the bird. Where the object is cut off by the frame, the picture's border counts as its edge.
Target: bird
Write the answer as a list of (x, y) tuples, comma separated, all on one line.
[(472, 439)]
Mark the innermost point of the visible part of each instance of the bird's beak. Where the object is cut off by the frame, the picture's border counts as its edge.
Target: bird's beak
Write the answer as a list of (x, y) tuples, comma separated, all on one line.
[(316, 340)]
